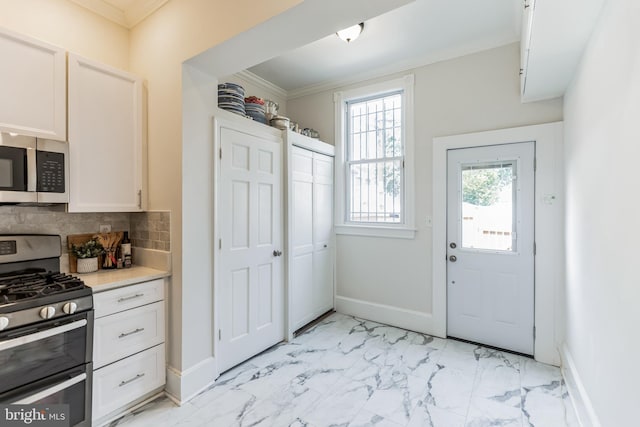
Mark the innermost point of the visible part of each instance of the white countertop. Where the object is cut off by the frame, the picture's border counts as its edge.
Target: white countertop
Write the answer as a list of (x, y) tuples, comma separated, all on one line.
[(104, 280)]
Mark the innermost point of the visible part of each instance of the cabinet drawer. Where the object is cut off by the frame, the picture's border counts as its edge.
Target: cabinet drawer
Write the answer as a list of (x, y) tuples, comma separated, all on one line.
[(121, 299), (117, 385), (123, 334)]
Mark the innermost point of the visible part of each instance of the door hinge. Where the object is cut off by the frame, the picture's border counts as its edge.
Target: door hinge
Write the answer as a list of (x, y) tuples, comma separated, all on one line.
[(535, 248), (219, 334), (220, 244), (535, 164), (220, 153), (534, 332)]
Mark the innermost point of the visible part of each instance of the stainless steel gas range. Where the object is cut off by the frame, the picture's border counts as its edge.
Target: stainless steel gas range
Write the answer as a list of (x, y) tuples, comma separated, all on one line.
[(46, 328)]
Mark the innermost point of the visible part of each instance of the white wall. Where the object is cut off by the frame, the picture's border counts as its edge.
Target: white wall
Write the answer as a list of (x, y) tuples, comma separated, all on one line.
[(310, 20), (159, 46), (602, 148), (65, 24), (468, 94)]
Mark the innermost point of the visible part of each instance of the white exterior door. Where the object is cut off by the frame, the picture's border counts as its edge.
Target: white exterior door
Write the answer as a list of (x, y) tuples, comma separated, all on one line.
[(490, 245), (250, 281)]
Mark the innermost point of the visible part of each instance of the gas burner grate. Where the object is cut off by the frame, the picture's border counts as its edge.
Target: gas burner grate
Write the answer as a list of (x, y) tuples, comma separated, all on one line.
[(34, 285)]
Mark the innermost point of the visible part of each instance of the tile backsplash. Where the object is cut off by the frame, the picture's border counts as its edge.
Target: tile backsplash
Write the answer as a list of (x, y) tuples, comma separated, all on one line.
[(149, 230)]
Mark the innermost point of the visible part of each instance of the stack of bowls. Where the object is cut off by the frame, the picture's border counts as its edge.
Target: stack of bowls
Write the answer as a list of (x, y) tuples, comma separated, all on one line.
[(231, 98), (254, 108)]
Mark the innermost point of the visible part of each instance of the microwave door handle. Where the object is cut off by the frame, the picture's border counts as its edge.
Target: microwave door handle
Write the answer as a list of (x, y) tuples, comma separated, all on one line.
[(17, 342), (51, 390), (32, 173)]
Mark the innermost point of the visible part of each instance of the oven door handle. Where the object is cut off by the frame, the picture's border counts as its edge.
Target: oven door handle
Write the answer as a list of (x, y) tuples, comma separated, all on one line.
[(51, 390), (16, 342)]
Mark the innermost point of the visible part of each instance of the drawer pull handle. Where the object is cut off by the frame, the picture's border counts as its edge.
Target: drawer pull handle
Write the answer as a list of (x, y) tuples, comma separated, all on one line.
[(137, 377), (126, 334), (123, 299)]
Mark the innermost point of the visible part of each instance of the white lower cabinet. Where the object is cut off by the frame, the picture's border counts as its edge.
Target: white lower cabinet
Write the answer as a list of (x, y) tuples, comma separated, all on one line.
[(128, 347), (131, 331), (118, 384)]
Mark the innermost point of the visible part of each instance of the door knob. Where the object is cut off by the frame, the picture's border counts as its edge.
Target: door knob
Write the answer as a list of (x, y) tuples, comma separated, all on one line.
[(453, 258), (277, 253)]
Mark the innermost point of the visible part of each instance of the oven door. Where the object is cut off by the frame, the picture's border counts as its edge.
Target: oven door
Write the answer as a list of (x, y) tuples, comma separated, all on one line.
[(17, 168), (72, 388), (35, 352)]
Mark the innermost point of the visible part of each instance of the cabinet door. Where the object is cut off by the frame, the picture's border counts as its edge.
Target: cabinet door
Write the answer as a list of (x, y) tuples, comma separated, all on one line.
[(322, 233), (32, 87), (107, 164), (302, 244)]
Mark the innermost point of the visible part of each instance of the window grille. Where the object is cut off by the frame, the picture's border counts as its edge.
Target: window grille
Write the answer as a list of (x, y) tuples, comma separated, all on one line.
[(375, 159)]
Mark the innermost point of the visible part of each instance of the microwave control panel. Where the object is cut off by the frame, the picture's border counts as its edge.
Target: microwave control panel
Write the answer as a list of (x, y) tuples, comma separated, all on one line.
[(50, 167)]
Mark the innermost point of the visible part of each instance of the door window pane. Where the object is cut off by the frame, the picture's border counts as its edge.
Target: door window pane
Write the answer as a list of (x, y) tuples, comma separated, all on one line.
[(488, 206)]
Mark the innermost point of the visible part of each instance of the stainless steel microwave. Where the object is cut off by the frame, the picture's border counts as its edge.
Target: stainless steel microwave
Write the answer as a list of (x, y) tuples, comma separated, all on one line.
[(33, 170)]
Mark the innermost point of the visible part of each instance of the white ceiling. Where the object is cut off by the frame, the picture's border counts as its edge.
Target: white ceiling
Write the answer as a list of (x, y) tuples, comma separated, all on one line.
[(419, 33)]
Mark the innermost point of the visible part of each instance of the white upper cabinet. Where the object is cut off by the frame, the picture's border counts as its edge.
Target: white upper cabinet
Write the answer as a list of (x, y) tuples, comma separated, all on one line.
[(106, 139), (554, 34), (32, 87)]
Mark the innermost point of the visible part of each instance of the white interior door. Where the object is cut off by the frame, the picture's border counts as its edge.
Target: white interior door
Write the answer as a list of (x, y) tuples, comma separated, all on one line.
[(251, 289), (302, 279), (490, 245), (322, 233)]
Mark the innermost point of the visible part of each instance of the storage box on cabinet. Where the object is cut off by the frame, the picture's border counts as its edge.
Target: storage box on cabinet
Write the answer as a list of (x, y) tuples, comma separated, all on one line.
[(121, 383)]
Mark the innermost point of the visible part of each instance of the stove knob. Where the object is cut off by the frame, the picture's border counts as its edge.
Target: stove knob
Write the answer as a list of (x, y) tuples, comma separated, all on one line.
[(47, 312), (70, 307), (4, 322)]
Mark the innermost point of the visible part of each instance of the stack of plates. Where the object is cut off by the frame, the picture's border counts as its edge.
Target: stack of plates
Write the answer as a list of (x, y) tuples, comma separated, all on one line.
[(255, 109), (231, 98)]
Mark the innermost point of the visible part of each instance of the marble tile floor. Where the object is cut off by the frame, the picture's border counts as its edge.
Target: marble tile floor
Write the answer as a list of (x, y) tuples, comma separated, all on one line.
[(351, 372)]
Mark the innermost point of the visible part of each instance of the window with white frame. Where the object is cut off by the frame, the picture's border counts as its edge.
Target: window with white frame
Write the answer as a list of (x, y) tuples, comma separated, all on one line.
[(374, 141), (374, 159)]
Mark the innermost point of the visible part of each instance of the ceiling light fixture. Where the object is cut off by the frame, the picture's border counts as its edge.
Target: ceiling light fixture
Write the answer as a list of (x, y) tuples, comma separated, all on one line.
[(351, 33)]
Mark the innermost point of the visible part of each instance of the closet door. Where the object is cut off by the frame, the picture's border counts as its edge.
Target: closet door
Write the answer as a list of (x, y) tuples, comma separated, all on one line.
[(322, 233), (251, 285), (302, 238)]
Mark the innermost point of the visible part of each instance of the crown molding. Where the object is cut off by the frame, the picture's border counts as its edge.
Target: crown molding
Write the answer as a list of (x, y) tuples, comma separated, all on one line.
[(255, 79), (129, 18), (140, 10), (400, 67), (104, 9)]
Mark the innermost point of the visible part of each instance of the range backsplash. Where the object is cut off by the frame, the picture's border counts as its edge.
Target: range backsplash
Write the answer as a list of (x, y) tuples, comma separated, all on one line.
[(150, 230)]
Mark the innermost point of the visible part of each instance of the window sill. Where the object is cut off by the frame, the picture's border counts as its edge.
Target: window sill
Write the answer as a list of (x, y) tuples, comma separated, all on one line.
[(376, 231)]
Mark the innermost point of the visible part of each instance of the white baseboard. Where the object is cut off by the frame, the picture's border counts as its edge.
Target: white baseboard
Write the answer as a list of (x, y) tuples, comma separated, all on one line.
[(579, 397), (183, 386), (387, 314)]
